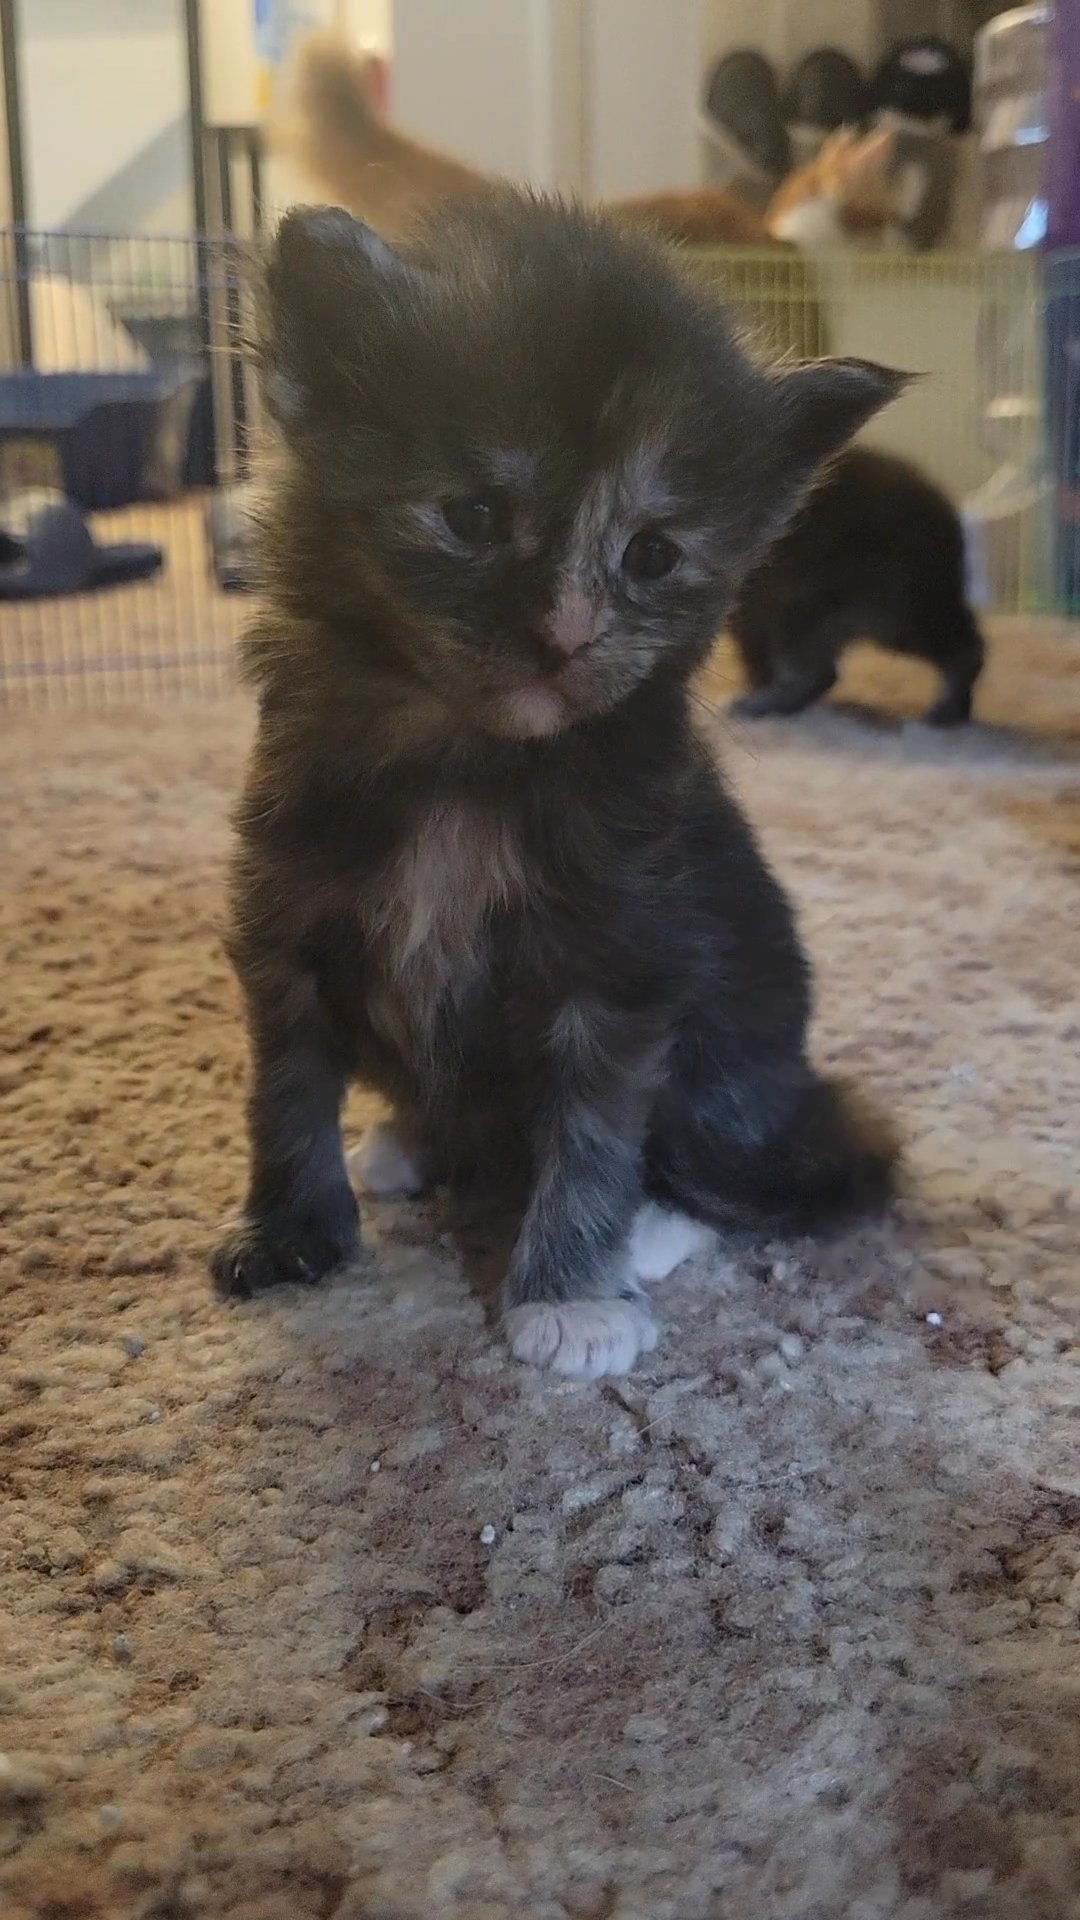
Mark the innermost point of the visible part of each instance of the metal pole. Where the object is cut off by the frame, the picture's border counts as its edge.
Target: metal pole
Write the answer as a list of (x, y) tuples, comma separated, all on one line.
[(255, 146), (195, 109), (225, 138), (199, 198), (9, 49)]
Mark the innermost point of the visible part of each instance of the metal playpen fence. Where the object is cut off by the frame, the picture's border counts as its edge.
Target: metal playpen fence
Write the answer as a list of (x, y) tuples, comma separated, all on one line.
[(127, 414)]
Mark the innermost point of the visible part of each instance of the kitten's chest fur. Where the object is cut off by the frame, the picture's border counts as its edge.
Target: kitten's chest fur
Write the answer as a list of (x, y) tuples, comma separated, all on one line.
[(428, 918)]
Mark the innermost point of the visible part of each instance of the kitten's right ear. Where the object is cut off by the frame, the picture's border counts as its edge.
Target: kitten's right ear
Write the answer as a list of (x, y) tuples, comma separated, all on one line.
[(823, 403), (819, 406), (322, 276)]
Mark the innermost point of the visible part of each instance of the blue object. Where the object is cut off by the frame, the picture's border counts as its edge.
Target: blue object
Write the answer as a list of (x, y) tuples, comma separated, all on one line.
[(105, 426), (57, 554)]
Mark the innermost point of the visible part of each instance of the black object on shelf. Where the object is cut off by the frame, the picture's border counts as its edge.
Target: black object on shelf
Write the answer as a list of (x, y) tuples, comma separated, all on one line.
[(109, 429), (743, 102), (826, 91), (925, 79)]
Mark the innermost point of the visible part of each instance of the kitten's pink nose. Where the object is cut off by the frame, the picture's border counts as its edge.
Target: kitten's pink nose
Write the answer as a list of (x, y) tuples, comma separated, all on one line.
[(573, 623)]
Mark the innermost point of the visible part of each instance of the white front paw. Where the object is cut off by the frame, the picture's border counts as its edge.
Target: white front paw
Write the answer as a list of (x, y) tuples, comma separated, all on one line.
[(382, 1164), (661, 1239), (586, 1338)]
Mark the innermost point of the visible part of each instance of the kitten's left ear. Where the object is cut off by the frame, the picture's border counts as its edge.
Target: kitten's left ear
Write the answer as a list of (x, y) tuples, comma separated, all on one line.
[(321, 279), (819, 407)]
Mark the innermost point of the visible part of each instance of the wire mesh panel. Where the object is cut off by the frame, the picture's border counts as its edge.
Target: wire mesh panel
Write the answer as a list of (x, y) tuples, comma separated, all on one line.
[(127, 414), (972, 327), (125, 408)]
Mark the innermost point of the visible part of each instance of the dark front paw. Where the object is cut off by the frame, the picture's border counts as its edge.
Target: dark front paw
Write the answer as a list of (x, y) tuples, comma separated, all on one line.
[(277, 1249)]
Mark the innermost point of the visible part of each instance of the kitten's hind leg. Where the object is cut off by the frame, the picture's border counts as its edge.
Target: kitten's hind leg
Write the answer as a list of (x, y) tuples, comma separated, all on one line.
[(662, 1239), (783, 1151), (796, 689), (952, 706), (755, 651), (961, 662)]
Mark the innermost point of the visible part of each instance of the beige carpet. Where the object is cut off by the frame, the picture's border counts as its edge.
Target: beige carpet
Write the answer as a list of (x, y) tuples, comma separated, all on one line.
[(322, 1607)]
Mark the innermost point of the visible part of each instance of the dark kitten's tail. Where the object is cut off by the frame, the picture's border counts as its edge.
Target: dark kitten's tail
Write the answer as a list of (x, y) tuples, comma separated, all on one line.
[(833, 1159), (960, 651)]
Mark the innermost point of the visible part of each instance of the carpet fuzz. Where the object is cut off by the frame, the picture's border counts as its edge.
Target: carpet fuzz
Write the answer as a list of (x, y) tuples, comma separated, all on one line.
[(324, 1607)]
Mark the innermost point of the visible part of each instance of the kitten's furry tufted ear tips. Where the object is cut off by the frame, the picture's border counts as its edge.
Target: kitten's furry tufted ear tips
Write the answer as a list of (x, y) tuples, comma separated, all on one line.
[(825, 402), (318, 244), (814, 410), (322, 267)]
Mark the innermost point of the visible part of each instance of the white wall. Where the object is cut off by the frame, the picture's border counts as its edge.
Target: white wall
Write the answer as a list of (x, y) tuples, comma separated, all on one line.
[(104, 81), (369, 22), (490, 81), (642, 83), (595, 96)]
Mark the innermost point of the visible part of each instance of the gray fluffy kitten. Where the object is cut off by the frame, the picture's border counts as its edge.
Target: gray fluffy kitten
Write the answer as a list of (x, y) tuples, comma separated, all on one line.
[(484, 862)]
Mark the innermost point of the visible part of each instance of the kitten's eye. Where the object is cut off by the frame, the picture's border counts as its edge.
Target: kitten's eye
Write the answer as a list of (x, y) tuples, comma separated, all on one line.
[(473, 520), (650, 556)]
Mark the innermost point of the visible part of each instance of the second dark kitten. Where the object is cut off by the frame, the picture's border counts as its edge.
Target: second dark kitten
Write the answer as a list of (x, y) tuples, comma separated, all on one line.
[(875, 553)]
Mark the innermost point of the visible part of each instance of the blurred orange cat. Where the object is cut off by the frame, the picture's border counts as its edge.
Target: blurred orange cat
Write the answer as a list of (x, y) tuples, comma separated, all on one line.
[(333, 129)]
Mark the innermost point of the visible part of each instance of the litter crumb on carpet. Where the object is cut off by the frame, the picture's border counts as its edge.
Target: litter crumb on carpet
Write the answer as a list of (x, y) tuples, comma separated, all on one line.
[(323, 1609)]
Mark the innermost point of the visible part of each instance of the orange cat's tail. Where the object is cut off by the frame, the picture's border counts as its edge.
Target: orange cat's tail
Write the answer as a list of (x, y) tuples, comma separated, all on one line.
[(332, 128)]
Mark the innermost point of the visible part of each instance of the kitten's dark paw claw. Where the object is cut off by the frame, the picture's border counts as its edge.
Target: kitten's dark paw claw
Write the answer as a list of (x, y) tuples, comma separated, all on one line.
[(257, 1254)]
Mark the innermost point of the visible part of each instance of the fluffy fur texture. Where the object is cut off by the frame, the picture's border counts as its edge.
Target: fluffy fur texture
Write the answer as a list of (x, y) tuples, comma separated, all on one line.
[(485, 864), (876, 553)]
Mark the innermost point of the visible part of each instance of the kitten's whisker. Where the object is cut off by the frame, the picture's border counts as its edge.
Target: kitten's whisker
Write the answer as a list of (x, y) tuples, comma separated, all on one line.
[(717, 714)]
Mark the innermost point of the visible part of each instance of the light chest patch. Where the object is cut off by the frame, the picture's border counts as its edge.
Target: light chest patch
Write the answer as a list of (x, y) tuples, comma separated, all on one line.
[(430, 921)]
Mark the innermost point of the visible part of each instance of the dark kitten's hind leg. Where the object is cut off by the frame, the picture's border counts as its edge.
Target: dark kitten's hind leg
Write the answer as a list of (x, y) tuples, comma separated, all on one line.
[(785, 1152), (794, 691), (960, 657), (755, 651), (952, 706), (300, 1219), (780, 680)]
